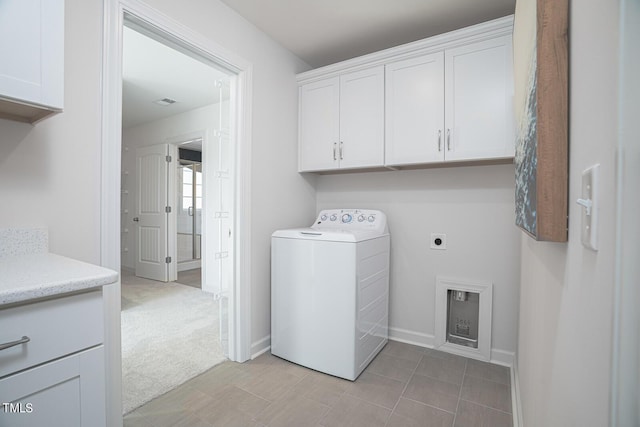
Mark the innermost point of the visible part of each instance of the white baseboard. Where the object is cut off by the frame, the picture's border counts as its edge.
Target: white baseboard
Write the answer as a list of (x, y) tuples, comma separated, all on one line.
[(189, 265), (502, 357), (260, 347), (411, 337), (498, 357), (516, 404)]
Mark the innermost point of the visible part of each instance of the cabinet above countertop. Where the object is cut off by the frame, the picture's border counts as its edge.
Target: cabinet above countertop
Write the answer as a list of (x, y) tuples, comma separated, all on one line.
[(32, 64)]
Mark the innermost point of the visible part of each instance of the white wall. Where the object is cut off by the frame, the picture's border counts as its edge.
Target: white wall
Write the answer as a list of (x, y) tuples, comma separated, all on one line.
[(281, 198), (201, 119), (566, 300), (474, 206), (50, 172)]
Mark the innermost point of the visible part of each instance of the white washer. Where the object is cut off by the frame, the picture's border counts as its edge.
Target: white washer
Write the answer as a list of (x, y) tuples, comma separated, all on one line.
[(330, 291)]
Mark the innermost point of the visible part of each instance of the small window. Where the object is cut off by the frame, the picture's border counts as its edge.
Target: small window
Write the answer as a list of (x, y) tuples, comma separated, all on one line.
[(187, 188)]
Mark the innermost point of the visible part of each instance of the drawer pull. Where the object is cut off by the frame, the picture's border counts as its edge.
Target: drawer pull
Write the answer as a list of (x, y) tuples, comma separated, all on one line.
[(7, 345)]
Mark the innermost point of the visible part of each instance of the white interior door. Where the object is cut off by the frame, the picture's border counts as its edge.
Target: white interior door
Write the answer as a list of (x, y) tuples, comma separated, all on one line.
[(152, 218)]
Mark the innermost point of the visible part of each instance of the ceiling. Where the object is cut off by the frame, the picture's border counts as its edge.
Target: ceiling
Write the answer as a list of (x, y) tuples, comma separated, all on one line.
[(152, 71), (322, 32)]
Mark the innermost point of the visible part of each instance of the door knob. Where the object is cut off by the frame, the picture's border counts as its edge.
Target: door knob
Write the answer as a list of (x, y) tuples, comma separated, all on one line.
[(136, 219)]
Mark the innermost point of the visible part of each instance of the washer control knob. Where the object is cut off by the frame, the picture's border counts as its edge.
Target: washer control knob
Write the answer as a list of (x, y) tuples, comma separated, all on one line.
[(333, 217), (361, 218), (371, 218), (347, 218), (324, 217)]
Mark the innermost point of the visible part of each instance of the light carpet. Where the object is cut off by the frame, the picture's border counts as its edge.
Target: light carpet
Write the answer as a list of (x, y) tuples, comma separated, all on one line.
[(169, 335)]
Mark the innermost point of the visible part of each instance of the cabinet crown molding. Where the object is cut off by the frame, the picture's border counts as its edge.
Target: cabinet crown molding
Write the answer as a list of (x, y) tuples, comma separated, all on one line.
[(490, 29)]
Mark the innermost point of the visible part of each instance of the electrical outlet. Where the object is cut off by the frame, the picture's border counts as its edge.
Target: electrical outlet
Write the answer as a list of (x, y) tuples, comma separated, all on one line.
[(438, 241)]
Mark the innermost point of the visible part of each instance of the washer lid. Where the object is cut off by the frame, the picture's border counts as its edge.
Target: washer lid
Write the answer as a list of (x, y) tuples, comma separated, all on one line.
[(333, 235)]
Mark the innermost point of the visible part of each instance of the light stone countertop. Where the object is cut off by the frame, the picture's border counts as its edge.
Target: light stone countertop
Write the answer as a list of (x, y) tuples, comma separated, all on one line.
[(40, 275)]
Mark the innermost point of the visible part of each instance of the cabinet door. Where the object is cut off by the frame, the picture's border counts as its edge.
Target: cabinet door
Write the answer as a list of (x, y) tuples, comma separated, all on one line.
[(32, 51), (319, 118), (479, 100), (362, 118), (415, 110), (67, 392)]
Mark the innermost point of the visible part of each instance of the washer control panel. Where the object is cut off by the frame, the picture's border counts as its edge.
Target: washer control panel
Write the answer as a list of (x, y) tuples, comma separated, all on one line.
[(351, 219)]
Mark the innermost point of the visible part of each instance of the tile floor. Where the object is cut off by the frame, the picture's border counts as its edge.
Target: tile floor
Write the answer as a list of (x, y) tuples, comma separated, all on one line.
[(403, 386)]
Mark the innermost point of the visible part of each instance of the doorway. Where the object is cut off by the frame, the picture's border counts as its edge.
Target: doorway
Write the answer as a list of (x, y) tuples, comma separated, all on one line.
[(177, 169), (189, 239), (239, 306)]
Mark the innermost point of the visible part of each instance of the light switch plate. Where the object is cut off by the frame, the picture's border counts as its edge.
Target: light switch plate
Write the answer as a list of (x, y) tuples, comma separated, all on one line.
[(589, 203)]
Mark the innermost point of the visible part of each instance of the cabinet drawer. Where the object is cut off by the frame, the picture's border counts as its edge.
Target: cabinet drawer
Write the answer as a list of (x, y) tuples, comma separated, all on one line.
[(56, 328)]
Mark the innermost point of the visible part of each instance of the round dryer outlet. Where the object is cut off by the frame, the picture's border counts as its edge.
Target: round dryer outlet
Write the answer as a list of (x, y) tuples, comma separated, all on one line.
[(438, 241)]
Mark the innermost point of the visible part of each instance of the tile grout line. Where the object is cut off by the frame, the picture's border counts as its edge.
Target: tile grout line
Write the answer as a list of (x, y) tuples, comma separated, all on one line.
[(271, 402), (466, 363), (320, 421), (487, 407), (405, 388), (430, 406), (508, 383), (508, 386)]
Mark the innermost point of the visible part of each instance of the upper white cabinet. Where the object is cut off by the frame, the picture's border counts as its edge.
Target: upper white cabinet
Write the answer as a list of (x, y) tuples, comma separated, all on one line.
[(479, 118), (446, 98), (341, 121), (453, 105), (32, 64), (415, 110), (318, 127)]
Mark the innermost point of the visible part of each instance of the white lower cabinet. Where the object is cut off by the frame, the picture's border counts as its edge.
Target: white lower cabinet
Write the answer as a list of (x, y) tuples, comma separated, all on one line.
[(67, 392), (52, 368)]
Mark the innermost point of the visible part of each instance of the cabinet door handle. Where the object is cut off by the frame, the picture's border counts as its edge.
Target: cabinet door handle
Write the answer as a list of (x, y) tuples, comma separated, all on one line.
[(341, 151), (7, 345), (448, 139), (439, 139), (334, 151)]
